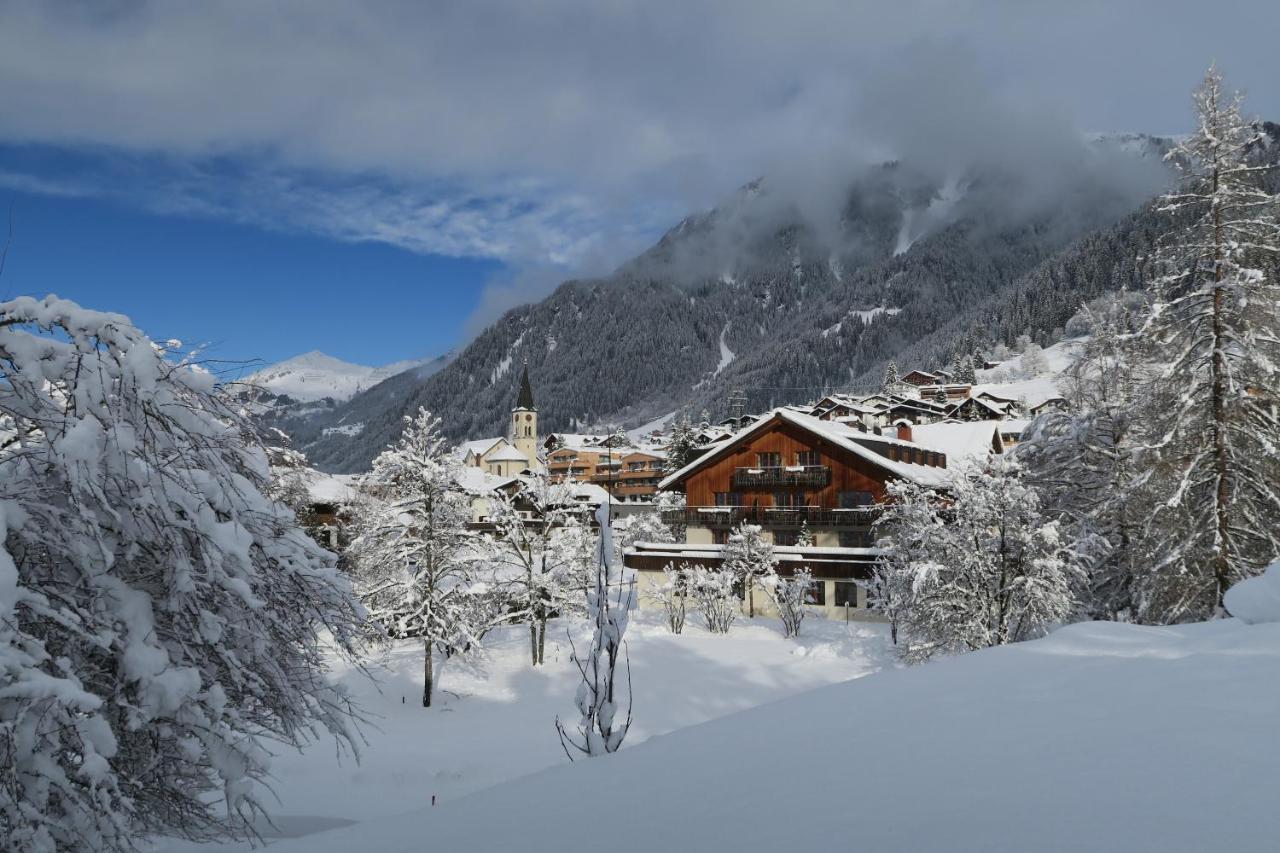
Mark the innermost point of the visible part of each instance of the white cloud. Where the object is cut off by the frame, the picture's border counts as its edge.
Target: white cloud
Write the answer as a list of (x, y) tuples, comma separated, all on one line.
[(556, 134)]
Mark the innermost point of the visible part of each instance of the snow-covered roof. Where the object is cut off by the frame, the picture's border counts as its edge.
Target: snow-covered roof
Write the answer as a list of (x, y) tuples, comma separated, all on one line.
[(479, 446), (507, 454), (477, 481), (331, 488), (959, 439), (837, 434)]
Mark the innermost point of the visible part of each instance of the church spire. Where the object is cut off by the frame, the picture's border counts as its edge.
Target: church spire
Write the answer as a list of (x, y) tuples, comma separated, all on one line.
[(525, 400)]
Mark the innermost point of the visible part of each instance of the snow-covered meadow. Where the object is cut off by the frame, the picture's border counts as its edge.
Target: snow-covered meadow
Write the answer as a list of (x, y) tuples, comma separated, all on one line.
[(1099, 737), (494, 716)]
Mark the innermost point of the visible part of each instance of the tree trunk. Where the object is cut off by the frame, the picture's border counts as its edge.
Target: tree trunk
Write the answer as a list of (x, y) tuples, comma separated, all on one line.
[(542, 642), (533, 640), (1222, 551), (428, 674)]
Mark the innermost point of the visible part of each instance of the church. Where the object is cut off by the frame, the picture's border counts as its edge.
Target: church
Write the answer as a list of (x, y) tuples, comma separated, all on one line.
[(518, 450)]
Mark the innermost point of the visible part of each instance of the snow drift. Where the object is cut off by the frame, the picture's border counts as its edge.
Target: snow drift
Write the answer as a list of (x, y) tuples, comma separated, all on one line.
[(1257, 599)]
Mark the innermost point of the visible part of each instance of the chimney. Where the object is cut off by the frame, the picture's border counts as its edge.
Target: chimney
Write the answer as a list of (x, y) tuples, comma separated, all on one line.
[(904, 430)]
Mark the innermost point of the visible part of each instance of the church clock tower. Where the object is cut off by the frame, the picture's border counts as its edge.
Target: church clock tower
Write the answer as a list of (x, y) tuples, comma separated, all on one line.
[(524, 421)]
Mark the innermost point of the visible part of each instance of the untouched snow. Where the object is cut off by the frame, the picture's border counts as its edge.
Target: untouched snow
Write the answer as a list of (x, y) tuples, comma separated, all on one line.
[(1100, 737), (726, 354), (314, 375), (495, 716), (1256, 600)]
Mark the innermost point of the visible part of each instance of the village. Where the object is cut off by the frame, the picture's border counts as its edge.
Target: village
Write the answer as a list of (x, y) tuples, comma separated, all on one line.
[(811, 479)]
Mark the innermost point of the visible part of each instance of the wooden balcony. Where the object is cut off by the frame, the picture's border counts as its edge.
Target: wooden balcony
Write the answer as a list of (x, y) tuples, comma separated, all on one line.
[(812, 476), (772, 516)]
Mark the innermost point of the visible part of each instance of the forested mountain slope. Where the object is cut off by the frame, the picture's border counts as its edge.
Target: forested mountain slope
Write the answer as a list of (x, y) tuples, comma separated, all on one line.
[(758, 295)]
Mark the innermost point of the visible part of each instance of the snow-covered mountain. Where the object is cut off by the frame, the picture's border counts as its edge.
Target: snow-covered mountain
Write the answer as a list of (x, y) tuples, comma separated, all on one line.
[(316, 375)]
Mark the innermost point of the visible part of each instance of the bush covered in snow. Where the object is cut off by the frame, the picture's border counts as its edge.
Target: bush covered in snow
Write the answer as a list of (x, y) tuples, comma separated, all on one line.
[(158, 613)]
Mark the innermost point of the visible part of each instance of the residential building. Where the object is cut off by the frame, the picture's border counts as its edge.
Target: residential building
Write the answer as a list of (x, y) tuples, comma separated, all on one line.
[(789, 470)]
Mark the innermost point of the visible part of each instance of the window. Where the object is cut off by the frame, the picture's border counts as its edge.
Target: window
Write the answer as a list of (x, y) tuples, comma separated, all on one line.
[(728, 499), (785, 537), (817, 593), (720, 536), (768, 460), (789, 500), (855, 539), (808, 458), (846, 594), (855, 499)]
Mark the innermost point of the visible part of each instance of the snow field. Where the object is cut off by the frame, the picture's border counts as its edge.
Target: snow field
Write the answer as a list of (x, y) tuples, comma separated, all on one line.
[(495, 714)]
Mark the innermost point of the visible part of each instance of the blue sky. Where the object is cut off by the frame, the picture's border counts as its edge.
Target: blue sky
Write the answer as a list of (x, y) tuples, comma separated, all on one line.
[(380, 180), (245, 291)]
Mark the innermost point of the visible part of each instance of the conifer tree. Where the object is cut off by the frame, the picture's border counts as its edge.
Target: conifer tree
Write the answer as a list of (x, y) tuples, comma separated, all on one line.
[(891, 378), (1215, 334)]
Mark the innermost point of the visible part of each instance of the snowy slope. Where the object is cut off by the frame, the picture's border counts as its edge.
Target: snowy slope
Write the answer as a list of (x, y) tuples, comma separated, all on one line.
[(314, 375), (1101, 737)]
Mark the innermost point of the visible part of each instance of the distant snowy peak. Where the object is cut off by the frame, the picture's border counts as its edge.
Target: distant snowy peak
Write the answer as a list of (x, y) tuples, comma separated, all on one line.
[(316, 375)]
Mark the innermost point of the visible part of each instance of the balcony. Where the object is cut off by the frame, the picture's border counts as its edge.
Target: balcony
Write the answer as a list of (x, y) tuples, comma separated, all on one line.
[(772, 516), (812, 476)]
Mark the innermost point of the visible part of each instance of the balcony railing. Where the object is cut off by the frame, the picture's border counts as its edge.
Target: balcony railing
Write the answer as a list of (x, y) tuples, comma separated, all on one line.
[(815, 476), (772, 516)]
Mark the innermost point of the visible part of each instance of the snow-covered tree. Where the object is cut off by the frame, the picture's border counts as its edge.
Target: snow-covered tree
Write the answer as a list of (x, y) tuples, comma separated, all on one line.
[(962, 371), (983, 568), (672, 502), (572, 555), (1085, 463), (601, 730), (889, 383), (715, 596), (412, 555), (1033, 361), (748, 556), (789, 596), (159, 615), (521, 551), (673, 595), (682, 448), (640, 527), (804, 539), (1215, 332)]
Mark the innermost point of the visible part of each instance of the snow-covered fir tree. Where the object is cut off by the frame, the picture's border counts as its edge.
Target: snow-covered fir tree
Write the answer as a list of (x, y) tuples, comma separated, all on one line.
[(601, 728), (1085, 463), (983, 568), (682, 448), (1214, 330), (804, 538), (748, 556), (963, 371), (889, 383), (412, 557), (159, 614)]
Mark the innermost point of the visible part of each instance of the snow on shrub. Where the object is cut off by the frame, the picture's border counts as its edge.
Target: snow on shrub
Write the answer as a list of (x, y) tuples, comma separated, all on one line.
[(158, 614)]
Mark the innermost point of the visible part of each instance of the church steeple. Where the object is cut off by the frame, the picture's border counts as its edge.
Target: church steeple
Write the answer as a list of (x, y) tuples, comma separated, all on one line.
[(525, 399), (524, 421)]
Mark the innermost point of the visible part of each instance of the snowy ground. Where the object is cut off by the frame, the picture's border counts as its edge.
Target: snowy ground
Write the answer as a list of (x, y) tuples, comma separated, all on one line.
[(495, 715), (1101, 737)]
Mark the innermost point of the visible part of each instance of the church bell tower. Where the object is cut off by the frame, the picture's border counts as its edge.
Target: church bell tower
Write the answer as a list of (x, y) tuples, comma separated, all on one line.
[(524, 421)]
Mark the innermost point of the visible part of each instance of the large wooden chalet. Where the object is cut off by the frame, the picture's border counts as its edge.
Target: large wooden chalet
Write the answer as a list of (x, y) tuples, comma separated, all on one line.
[(786, 470)]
